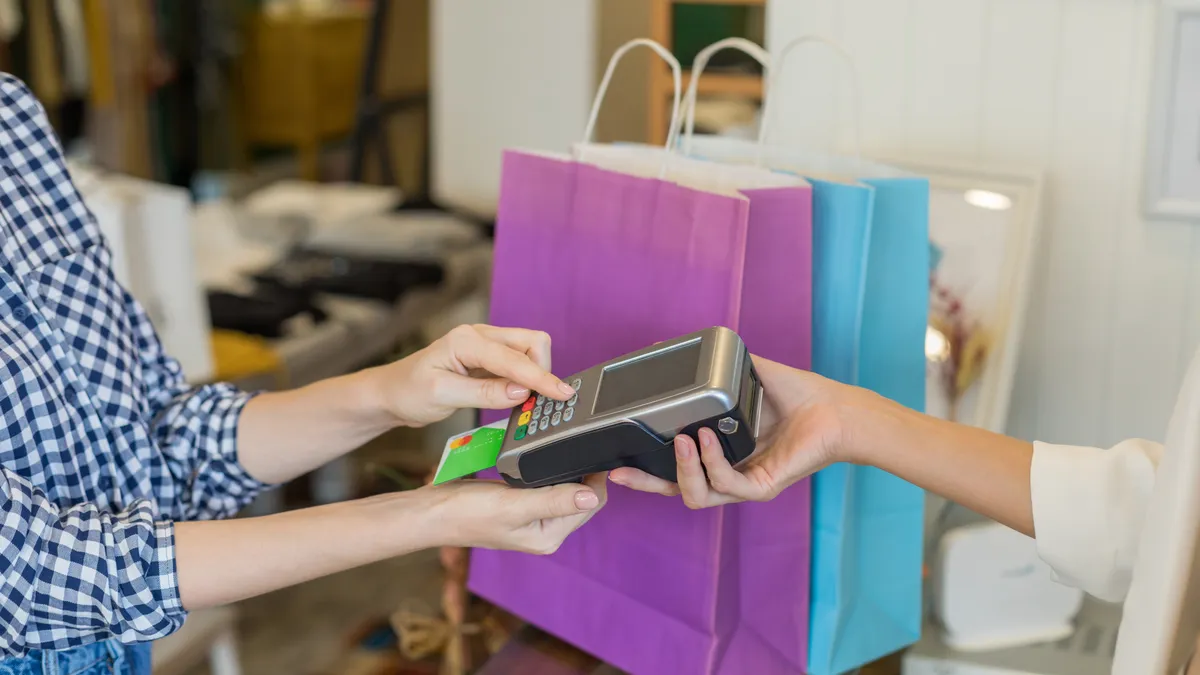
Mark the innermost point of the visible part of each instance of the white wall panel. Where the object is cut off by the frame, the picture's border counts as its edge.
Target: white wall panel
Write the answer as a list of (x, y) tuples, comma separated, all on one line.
[(881, 27), (943, 106), (1149, 324), (1020, 106), (516, 73), (1020, 78), (811, 109), (1059, 85), (1086, 196)]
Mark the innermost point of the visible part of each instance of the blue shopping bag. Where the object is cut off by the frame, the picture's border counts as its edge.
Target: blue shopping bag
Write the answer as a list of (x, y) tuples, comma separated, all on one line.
[(871, 258), (870, 311)]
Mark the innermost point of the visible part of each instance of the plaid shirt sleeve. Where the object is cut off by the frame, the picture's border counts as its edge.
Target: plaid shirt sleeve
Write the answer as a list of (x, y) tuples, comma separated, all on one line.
[(196, 429), (102, 442), (69, 575)]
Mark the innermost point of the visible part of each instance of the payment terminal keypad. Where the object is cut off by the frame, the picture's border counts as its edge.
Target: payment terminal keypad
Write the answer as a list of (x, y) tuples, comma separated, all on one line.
[(539, 414)]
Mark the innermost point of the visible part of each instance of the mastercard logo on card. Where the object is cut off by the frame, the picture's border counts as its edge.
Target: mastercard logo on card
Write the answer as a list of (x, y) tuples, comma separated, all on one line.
[(460, 441)]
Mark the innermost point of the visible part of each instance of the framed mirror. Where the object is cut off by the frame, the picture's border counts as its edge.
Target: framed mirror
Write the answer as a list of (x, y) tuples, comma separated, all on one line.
[(984, 226), (1172, 170)]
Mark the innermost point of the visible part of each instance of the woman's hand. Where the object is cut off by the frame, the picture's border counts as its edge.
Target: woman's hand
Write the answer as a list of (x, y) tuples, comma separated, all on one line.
[(489, 514), (470, 367), (802, 431), (224, 561), (811, 422), (284, 434)]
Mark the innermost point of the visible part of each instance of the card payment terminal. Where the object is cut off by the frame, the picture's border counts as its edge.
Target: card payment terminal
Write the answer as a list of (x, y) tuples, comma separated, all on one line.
[(626, 412)]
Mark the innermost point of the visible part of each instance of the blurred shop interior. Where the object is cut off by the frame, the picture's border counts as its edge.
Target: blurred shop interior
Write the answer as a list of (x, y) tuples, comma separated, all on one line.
[(297, 189)]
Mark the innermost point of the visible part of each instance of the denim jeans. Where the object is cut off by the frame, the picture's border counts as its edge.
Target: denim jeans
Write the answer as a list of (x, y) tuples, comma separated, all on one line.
[(100, 658)]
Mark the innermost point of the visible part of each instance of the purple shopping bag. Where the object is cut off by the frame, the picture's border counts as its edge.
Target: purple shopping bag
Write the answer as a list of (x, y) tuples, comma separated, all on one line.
[(607, 258)]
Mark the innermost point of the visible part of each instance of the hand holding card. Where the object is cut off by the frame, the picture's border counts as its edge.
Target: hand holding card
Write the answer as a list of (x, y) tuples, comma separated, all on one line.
[(490, 514)]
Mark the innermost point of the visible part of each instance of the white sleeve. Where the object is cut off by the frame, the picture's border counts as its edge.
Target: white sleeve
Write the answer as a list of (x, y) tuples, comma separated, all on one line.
[(1088, 508)]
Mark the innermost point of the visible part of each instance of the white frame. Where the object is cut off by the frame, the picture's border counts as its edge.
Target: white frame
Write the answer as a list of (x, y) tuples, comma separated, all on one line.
[(1026, 187), (1155, 202)]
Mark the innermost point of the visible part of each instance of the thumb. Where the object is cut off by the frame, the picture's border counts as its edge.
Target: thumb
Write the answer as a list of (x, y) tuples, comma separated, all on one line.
[(495, 393), (559, 501)]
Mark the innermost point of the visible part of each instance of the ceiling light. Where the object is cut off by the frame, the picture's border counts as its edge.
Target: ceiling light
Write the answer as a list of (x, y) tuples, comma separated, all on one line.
[(986, 199)]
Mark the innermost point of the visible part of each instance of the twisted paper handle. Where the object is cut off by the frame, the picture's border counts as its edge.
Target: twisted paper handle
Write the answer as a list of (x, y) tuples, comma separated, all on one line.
[(424, 633)]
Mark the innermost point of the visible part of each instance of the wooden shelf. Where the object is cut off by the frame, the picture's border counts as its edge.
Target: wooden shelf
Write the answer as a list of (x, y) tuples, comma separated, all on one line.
[(660, 84), (747, 85)]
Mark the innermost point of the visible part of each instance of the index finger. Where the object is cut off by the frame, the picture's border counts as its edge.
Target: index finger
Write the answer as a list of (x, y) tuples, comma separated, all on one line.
[(504, 361), (534, 343), (635, 479)]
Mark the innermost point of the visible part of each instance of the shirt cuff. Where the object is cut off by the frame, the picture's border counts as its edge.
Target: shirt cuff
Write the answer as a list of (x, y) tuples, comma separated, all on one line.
[(226, 415), (1088, 507), (204, 426), (163, 576)]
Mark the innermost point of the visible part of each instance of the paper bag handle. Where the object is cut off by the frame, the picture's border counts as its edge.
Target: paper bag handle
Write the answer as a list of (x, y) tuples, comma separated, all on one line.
[(676, 71), (773, 80), (700, 63)]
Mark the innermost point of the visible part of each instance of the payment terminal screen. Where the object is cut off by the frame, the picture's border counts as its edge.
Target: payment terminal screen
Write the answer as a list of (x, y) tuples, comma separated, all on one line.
[(647, 377)]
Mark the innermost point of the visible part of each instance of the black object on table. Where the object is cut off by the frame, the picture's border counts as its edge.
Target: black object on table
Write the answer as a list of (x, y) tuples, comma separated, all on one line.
[(263, 312), (355, 276)]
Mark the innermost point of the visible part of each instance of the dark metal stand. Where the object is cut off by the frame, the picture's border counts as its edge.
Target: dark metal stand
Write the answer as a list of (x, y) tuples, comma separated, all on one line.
[(370, 125)]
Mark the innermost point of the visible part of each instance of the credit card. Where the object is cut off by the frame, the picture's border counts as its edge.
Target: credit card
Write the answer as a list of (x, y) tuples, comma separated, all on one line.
[(471, 451)]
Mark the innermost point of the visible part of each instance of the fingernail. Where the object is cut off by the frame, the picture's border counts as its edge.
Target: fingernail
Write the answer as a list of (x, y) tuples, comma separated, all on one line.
[(515, 390), (616, 480), (681, 449), (586, 501), (566, 389), (706, 439)]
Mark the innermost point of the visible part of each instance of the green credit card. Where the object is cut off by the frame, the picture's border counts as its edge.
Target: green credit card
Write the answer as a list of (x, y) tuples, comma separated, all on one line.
[(472, 451)]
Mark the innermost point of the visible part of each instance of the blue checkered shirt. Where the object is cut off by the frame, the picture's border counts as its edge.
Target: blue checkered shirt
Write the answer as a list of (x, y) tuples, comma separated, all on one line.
[(102, 443)]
